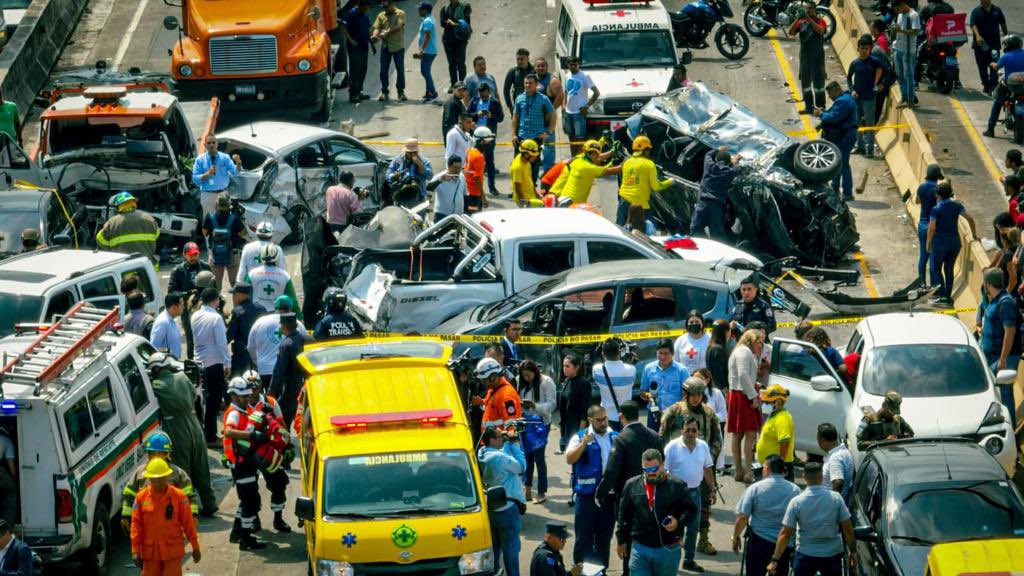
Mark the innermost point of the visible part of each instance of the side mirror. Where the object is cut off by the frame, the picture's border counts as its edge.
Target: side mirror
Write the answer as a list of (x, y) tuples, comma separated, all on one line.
[(824, 383), (687, 58), (1006, 377), (496, 498), (865, 533), (61, 240), (171, 23), (304, 508)]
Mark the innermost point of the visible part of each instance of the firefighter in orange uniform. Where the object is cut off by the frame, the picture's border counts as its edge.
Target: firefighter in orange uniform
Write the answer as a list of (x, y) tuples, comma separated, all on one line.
[(501, 405), (161, 516)]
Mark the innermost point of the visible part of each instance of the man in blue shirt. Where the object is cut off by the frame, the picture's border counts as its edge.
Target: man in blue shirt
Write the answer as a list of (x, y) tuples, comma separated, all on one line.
[(662, 384), (409, 161), (822, 525), (943, 241), (987, 23), (501, 464), (212, 172), (719, 172), (165, 334), (533, 117), (427, 49), (355, 27), (838, 467), (761, 508), (1011, 62), (839, 125), (1000, 327), (864, 78), (927, 199)]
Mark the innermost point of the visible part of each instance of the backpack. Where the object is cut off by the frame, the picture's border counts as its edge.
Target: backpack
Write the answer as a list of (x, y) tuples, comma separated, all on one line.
[(221, 240), (535, 433), (462, 30)]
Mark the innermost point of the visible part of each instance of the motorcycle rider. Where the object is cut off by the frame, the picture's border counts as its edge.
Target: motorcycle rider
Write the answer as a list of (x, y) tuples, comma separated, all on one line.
[(1011, 62)]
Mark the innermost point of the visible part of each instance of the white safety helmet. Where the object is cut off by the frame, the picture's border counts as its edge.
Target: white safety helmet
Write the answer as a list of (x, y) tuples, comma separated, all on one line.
[(239, 386), (252, 376), (483, 133), (269, 253), (265, 230), (486, 368)]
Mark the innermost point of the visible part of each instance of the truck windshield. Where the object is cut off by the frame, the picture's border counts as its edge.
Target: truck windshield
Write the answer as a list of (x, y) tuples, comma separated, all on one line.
[(74, 133), (639, 49), (400, 484), (16, 308)]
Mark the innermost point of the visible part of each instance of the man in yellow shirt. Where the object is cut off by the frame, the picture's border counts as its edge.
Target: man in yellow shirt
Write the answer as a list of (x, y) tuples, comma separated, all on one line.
[(639, 179), (777, 435), (523, 189), (583, 170)]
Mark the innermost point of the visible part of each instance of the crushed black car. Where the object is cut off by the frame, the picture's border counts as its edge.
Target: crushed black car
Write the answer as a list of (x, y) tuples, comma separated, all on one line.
[(780, 205)]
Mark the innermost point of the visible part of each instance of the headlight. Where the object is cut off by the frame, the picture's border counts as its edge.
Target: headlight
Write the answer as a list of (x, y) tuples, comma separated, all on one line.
[(185, 70), (333, 568), (994, 416), (993, 445), (596, 107), (304, 65), (476, 562)]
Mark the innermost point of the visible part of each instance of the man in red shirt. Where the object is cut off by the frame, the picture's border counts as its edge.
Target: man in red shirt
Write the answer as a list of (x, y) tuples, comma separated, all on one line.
[(475, 170)]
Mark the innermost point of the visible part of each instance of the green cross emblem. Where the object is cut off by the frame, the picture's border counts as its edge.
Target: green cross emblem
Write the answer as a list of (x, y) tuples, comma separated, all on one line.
[(268, 289), (404, 536)]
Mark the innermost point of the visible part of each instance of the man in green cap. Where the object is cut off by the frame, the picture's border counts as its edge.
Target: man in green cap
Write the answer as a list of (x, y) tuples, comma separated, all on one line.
[(176, 394), (885, 424)]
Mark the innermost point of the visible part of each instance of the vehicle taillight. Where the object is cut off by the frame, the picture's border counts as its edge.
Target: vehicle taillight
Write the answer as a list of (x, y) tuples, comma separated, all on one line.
[(64, 505)]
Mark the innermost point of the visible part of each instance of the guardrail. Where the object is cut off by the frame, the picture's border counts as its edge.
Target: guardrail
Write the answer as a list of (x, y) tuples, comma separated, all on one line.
[(32, 51)]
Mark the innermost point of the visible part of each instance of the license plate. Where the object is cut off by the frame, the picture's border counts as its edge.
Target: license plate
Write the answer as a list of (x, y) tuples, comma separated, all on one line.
[(951, 61), (1018, 109), (245, 89)]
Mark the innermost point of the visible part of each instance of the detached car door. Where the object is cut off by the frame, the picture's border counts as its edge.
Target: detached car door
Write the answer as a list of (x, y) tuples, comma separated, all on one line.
[(312, 173), (816, 392), (348, 155)]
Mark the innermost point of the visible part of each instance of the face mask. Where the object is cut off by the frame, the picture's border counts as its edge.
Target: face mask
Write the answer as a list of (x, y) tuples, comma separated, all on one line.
[(694, 328), (767, 409)]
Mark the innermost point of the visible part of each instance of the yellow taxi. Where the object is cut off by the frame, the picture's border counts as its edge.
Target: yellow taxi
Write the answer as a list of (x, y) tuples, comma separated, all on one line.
[(390, 484), (1003, 557)]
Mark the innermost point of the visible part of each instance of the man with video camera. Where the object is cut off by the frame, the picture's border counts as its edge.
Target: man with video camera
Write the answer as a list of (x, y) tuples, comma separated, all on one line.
[(501, 464)]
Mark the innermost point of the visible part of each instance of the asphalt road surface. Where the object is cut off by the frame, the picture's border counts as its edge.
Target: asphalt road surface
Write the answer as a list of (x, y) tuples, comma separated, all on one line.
[(128, 33)]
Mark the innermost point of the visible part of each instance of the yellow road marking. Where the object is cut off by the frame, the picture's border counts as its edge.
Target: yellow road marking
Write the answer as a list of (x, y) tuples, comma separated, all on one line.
[(979, 145), (787, 73), (869, 282)]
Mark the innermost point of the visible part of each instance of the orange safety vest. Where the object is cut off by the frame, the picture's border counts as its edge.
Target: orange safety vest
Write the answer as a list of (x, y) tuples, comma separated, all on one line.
[(501, 406), (229, 444)]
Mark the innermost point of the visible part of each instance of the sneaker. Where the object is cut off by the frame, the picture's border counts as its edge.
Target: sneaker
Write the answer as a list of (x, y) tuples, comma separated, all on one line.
[(692, 566), (383, 97), (705, 547), (401, 96), (364, 96), (540, 499), (990, 133)]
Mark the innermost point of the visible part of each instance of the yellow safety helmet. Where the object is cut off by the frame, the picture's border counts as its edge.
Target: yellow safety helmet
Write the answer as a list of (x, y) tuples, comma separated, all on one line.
[(158, 468), (529, 146), (591, 146), (641, 143), (774, 392)]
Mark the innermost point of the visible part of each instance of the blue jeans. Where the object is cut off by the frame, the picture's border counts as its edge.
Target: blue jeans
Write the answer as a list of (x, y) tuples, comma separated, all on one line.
[(425, 63), (547, 155), (646, 561), (944, 254), (845, 143), (622, 212), (906, 63), (1006, 392), (505, 527), (804, 565), (385, 69), (536, 459), (710, 214), (489, 164), (690, 541), (575, 126), (922, 254), (594, 527), (866, 113)]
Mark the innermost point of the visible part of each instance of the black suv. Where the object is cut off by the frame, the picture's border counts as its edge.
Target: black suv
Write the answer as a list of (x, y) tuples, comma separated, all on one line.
[(911, 494)]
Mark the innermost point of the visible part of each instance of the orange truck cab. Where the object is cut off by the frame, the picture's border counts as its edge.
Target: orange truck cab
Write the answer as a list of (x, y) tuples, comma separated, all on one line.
[(256, 53)]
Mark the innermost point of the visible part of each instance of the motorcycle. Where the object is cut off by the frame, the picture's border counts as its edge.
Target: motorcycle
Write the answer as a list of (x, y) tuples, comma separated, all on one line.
[(938, 64), (696, 20), (762, 16), (1013, 108)]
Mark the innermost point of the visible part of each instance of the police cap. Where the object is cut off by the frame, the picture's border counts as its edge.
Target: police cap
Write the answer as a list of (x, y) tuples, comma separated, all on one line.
[(557, 528)]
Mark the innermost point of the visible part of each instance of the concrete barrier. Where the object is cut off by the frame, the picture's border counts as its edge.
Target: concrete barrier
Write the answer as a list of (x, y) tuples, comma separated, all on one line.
[(33, 50)]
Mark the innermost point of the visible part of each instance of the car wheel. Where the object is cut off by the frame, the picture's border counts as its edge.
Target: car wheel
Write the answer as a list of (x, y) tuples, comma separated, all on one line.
[(97, 557), (324, 113), (817, 161)]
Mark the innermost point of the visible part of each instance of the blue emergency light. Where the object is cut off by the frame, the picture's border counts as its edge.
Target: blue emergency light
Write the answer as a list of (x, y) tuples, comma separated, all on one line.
[(8, 407)]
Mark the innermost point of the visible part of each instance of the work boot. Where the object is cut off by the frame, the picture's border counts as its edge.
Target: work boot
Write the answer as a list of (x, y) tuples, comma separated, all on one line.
[(280, 525), (250, 542), (704, 546), (819, 99), (808, 102), (236, 531)]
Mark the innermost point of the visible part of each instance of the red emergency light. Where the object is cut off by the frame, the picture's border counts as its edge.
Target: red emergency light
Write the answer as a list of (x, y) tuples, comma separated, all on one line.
[(357, 421), (684, 243), (605, 2)]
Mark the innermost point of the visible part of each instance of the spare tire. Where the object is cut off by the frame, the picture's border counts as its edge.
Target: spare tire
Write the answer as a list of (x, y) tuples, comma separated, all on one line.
[(817, 161)]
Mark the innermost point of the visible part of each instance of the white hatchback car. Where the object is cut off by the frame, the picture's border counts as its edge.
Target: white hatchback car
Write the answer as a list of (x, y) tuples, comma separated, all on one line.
[(932, 360)]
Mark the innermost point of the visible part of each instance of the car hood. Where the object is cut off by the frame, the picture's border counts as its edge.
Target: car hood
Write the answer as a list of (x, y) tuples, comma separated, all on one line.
[(632, 82), (940, 416), (910, 559), (714, 119)]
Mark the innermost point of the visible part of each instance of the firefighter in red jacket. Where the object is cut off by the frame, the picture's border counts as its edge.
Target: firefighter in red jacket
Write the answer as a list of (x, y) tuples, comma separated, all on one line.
[(161, 518)]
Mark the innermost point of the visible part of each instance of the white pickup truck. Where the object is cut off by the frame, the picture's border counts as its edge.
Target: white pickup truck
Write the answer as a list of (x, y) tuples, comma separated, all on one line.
[(463, 261)]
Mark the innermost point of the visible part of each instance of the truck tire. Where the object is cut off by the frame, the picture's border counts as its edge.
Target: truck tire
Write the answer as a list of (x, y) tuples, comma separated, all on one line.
[(817, 161), (96, 560), (327, 104)]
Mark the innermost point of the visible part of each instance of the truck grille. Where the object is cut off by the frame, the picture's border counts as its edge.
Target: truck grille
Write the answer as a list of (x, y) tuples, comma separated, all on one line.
[(243, 54), (624, 106)]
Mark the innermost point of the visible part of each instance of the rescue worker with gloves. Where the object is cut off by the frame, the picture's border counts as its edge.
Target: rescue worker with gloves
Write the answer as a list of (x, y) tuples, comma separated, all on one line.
[(130, 230), (839, 125), (639, 180), (239, 443), (160, 522), (267, 416), (158, 447)]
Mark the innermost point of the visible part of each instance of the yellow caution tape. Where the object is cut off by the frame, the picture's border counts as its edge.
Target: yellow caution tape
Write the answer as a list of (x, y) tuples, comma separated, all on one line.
[(861, 129)]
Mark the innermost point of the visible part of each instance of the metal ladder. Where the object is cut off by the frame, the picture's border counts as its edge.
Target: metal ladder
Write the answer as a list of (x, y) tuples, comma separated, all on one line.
[(54, 351)]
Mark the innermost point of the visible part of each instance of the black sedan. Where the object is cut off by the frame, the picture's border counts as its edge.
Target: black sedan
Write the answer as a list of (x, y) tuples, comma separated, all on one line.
[(911, 494)]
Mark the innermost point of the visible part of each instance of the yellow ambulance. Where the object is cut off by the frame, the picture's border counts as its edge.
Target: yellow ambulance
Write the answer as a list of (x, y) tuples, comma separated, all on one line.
[(1001, 557), (390, 483)]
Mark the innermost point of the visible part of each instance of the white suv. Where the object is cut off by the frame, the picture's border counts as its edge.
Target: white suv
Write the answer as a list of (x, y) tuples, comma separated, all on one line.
[(932, 360)]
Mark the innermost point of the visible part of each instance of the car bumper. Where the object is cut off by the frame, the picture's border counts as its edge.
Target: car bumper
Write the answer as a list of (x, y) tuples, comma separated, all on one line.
[(296, 90), (51, 548)]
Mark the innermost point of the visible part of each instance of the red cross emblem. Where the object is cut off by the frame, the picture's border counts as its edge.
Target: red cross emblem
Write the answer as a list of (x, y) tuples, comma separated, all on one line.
[(620, 13), (691, 352), (634, 83)]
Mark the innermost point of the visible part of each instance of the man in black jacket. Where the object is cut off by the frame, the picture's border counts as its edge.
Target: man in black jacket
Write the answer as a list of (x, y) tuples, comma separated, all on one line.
[(183, 277), (652, 509), (243, 315), (627, 450), (17, 560), (288, 375)]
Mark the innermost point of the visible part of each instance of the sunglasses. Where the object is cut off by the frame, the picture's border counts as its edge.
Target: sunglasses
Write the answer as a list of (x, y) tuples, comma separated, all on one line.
[(651, 469)]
